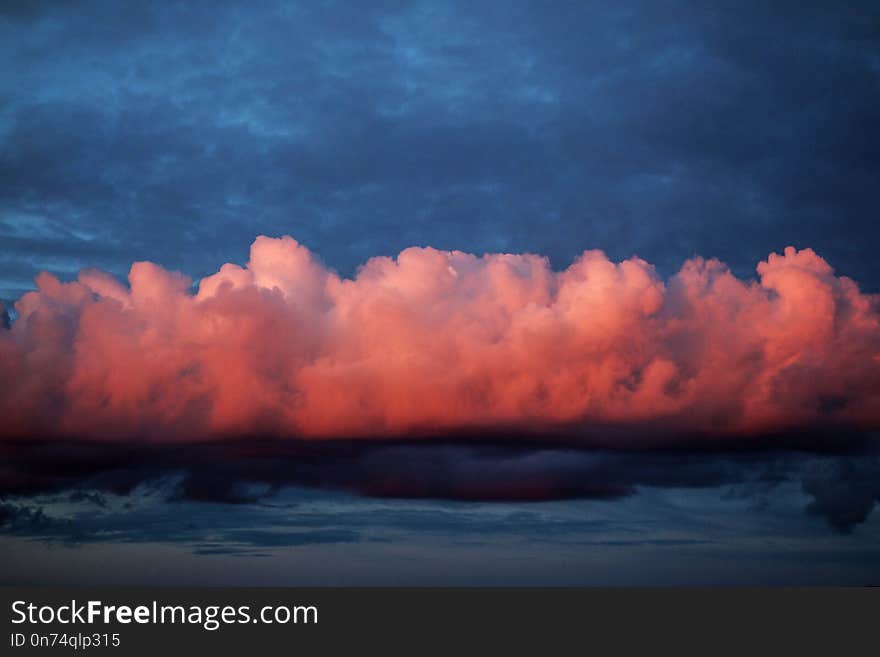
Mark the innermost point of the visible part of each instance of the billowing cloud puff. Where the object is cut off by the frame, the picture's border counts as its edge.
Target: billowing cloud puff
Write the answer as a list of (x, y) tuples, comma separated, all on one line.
[(436, 343)]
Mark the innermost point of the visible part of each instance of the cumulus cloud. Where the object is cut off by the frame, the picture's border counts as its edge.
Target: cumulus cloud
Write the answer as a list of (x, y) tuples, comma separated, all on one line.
[(437, 342)]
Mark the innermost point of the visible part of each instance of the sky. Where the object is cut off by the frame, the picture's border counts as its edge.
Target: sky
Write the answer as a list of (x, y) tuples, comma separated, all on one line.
[(177, 133), (666, 369)]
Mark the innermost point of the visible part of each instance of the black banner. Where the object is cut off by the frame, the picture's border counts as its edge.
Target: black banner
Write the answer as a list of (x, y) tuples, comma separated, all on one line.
[(412, 621)]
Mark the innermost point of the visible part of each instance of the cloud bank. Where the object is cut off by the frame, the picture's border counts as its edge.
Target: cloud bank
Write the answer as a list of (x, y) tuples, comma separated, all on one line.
[(841, 486), (443, 342)]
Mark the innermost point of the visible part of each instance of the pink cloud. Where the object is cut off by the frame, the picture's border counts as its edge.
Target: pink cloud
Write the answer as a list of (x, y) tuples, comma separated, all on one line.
[(433, 342)]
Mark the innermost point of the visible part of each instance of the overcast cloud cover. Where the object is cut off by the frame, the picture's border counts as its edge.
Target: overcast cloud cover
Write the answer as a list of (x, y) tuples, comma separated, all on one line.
[(177, 132)]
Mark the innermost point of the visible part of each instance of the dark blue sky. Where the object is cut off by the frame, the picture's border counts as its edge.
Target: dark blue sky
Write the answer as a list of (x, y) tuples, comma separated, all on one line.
[(177, 132), (703, 536), (406, 515)]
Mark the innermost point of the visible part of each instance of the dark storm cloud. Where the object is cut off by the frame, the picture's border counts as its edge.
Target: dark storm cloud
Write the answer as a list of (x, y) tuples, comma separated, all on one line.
[(177, 133), (15, 518), (206, 530), (840, 482), (844, 491)]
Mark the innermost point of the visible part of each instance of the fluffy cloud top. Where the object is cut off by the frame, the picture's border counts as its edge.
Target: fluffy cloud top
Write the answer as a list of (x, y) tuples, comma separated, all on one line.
[(435, 342)]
